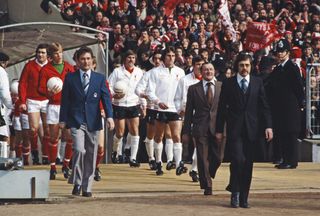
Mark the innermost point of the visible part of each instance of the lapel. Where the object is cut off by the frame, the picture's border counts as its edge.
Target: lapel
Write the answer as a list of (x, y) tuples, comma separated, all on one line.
[(201, 93), (251, 88), (217, 88), (78, 83), (91, 83)]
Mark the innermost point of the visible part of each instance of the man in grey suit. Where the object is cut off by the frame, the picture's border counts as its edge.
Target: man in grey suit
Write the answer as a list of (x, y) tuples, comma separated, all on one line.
[(200, 120), (80, 110)]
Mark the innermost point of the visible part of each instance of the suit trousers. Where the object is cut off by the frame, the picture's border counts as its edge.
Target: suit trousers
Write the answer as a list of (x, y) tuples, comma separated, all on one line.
[(241, 165), (289, 141), (85, 146), (209, 159)]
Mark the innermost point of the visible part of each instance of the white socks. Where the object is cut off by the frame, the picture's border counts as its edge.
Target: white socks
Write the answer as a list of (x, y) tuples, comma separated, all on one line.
[(158, 147), (177, 152), (150, 148), (134, 143), (117, 145), (4, 149), (194, 164), (169, 149)]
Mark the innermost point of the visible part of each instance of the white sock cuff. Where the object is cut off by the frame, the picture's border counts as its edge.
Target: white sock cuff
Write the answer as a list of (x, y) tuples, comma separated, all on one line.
[(169, 141), (157, 145), (177, 146)]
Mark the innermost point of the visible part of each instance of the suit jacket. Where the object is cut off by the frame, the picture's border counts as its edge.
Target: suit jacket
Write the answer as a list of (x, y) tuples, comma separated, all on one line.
[(286, 96), (200, 118), (78, 107), (242, 112)]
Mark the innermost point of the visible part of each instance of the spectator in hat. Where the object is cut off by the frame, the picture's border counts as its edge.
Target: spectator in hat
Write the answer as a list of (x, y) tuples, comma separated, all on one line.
[(286, 100)]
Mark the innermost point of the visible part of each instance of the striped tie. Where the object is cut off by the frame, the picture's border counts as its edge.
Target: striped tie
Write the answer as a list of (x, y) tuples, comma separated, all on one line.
[(85, 82)]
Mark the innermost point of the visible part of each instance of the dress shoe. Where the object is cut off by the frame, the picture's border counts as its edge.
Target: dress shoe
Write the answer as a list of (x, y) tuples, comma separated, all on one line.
[(35, 157), (53, 174), (235, 199), (76, 190), (86, 194), (277, 162), (194, 175), (97, 175), (181, 169), (170, 165), (58, 161), (207, 191), (66, 172), (244, 200), (286, 166), (134, 163), (159, 171), (152, 165)]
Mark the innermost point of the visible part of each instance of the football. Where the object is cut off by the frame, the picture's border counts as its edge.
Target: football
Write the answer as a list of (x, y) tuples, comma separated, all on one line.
[(55, 82), (14, 87), (120, 87)]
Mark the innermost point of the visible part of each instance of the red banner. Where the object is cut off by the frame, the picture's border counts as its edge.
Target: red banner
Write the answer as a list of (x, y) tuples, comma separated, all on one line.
[(170, 5), (260, 35)]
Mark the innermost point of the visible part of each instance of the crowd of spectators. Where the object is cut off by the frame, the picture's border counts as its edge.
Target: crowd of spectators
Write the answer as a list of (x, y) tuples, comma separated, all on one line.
[(196, 28)]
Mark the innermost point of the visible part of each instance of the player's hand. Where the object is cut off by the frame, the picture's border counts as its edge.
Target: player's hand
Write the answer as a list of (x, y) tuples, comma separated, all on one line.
[(219, 137), (103, 114), (163, 106), (118, 96), (23, 107), (110, 123), (269, 134)]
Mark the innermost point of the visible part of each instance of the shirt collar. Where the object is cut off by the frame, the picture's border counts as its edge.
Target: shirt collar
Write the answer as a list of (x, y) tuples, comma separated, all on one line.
[(82, 72), (213, 81), (239, 78), (283, 63), (43, 64)]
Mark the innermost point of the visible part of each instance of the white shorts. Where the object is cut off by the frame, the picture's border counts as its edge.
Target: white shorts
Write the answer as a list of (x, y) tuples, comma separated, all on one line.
[(37, 106), (24, 121), (53, 114), (16, 123)]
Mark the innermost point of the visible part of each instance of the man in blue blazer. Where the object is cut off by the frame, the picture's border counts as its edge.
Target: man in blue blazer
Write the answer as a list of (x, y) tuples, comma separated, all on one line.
[(80, 111)]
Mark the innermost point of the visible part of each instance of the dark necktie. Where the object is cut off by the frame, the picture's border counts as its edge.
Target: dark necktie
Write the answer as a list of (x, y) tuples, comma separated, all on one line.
[(85, 82), (244, 85), (209, 93)]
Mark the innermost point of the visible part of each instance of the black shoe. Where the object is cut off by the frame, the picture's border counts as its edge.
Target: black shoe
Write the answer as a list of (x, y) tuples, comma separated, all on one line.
[(207, 191), (277, 162), (194, 175), (66, 172), (127, 153), (134, 163), (286, 166), (97, 174), (159, 171), (76, 190), (244, 200), (114, 158), (153, 165), (45, 161), (235, 199), (58, 161), (181, 169), (170, 165), (86, 194), (53, 174), (35, 157)]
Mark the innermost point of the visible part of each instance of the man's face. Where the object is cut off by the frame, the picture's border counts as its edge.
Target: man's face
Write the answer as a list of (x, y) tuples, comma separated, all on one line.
[(282, 56), (130, 61), (244, 67), (207, 72), (57, 57), (157, 60), (169, 59), (85, 61), (196, 67), (41, 55)]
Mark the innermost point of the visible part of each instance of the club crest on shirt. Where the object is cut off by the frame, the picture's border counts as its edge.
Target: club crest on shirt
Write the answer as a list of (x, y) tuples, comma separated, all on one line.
[(95, 95)]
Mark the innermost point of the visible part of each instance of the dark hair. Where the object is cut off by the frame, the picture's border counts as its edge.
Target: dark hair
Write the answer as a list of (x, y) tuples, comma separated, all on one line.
[(82, 51), (158, 52), (206, 63), (242, 56), (167, 50), (126, 54), (196, 59), (42, 46)]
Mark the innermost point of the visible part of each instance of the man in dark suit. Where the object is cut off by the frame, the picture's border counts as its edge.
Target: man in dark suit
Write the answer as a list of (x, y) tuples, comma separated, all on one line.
[(286, 100), (241, 105), (81, 95), (200, 119)]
